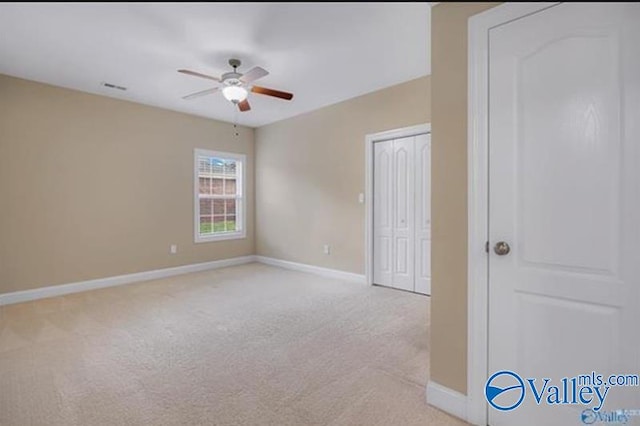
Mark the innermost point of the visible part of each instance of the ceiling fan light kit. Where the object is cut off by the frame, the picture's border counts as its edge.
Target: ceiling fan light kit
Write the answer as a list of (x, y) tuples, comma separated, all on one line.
[(235, 94), (236, 86)]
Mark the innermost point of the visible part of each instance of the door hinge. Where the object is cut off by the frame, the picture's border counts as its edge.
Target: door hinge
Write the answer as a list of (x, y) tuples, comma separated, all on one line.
[(486, 247)]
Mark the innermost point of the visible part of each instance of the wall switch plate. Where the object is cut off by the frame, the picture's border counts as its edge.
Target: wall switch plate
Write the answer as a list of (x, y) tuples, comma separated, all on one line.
[(327, 249), (361, 198), (173, 248)]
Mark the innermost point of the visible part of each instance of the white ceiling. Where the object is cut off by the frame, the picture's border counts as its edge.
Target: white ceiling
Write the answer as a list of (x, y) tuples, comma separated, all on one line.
[(322, 52)]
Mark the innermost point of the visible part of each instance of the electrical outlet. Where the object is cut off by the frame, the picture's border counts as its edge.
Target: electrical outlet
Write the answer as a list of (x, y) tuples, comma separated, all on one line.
[(173, 248), (327, 249)]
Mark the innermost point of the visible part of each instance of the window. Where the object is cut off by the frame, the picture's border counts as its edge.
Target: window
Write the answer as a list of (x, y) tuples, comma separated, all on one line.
[(219, 196)]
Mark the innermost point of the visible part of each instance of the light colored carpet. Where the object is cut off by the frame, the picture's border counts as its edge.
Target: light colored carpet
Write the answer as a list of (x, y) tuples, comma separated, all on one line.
[(246, 345)]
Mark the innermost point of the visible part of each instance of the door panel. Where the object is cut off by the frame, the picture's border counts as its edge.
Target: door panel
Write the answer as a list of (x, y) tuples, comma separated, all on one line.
[(564, 193), (423, 213), (557, 205), (403, 185), (383, 213)]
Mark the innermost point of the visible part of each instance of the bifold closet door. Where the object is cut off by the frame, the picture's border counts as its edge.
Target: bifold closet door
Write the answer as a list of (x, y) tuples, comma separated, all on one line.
[(403, 223), (394, 230), (383, 213)]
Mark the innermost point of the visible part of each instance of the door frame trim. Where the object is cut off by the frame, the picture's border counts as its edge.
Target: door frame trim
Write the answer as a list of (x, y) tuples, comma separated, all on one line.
[(369, 140), (477, 198)]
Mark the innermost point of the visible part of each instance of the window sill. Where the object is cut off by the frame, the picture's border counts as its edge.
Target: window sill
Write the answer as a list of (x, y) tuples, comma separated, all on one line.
[(220, 237)]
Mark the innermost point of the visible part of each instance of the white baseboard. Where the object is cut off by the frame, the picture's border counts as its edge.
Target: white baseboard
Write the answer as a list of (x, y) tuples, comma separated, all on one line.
[(60, 290), (317, 270), (447, 400)]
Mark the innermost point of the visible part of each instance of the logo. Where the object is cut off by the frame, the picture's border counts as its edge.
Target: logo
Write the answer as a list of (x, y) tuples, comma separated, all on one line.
[(505, 390), (588, 417), (623, 417)]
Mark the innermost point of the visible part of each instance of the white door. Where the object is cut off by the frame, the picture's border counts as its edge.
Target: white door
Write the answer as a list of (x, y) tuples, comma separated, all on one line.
[(403, 226), (383, 213), (393, 213), (423, 214), (564, 194)]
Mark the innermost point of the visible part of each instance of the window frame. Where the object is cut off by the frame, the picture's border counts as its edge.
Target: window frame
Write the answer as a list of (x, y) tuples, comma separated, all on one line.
[(241, 197)]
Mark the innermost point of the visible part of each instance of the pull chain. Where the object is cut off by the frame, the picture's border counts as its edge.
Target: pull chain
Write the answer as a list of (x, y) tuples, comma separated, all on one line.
[(235, 123)]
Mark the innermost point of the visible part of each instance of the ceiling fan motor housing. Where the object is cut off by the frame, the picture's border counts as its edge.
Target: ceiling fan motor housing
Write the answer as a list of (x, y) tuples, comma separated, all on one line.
[(231, 79)]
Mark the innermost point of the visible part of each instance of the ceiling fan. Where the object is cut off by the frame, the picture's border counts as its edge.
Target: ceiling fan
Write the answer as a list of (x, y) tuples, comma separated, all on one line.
[(236, 86)]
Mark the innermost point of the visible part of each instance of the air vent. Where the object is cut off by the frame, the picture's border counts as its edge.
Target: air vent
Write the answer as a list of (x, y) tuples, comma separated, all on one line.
[(113, 86)]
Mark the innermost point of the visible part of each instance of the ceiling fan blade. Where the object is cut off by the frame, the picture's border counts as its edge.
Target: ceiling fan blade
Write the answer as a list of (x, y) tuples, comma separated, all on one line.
[(244, 105), (253, 74), (197, 74), (200, 93), (272, 92)]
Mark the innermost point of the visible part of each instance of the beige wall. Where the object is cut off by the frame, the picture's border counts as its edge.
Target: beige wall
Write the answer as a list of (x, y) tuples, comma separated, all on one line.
[(310, 170), (449, 192), (94, 187)]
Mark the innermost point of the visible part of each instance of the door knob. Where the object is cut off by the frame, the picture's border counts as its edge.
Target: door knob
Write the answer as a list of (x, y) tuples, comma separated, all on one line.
[(501, 248)]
